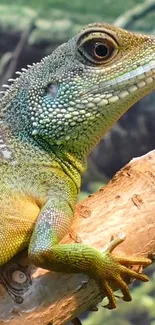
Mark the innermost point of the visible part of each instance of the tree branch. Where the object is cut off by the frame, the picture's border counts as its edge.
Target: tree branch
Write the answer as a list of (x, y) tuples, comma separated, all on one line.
[(127, 19), (127, 205)]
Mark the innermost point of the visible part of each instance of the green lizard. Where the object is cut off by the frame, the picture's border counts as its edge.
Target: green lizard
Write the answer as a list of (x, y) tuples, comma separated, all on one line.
[(51, 117)]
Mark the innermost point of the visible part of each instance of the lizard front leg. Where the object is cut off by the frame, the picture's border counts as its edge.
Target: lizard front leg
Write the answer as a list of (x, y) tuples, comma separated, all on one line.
[(45, 251)]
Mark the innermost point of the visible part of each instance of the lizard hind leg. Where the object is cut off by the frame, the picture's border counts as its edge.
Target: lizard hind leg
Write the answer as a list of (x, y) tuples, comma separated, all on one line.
[(17, 218)]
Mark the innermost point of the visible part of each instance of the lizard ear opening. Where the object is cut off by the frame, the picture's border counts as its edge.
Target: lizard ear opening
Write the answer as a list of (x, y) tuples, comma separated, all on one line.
[(52, 90), (97, 47)]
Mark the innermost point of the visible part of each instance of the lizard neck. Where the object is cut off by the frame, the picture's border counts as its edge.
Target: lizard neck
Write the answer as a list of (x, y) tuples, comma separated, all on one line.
[(22, 149)]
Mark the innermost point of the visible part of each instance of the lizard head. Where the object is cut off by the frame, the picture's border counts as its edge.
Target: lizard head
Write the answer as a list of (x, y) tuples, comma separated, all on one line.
[(73, 96)]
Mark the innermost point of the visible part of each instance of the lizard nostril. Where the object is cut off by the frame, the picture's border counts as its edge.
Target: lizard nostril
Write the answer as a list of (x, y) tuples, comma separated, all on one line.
[(52, 90)]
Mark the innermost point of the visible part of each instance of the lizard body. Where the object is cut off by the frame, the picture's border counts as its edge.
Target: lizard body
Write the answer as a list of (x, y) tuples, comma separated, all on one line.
[(50, 119)]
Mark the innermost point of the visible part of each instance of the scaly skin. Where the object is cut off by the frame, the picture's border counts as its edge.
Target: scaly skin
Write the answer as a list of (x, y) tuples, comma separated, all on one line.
[(51, 118)]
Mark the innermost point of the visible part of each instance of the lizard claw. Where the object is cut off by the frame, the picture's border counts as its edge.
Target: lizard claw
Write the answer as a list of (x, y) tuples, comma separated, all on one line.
[(115, 269), (93, 308), (76, 321)]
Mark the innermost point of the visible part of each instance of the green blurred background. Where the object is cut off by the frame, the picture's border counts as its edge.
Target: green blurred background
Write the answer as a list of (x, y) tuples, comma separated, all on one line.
[(31, 29)]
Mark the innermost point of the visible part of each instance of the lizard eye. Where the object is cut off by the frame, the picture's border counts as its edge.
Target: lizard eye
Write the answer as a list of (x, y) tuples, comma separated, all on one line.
[(98, 50)]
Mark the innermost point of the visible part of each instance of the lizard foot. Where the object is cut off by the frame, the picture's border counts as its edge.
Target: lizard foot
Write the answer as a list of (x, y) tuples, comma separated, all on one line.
[(112, 272), (114, 269)]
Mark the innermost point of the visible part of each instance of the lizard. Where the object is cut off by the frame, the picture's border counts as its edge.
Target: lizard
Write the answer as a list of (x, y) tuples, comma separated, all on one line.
[(51, 117)]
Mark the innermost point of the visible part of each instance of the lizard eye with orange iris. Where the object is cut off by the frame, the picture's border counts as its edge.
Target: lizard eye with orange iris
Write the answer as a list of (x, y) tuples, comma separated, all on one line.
[(98, 50)]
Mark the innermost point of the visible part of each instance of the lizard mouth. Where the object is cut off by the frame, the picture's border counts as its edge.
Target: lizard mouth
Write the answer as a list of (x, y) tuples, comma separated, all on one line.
[(135, 76), (141, 76), (110, 91), (135, 83)]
